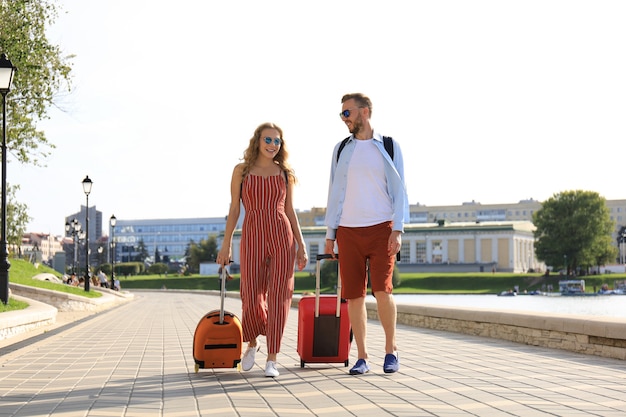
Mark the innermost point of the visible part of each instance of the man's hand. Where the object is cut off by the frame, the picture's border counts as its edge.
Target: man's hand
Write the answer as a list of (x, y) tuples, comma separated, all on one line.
[(329, 248), (395, 242)]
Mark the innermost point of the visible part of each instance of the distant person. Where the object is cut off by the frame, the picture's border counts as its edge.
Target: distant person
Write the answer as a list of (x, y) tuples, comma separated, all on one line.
[(366, 211), (103, 279), (271, 241)]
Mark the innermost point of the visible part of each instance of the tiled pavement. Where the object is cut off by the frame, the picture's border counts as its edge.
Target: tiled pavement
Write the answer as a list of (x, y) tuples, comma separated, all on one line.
[(136, 360)]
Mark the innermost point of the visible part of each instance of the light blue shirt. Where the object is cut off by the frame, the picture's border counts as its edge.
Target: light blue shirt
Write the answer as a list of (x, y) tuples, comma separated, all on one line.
[(394, 172)]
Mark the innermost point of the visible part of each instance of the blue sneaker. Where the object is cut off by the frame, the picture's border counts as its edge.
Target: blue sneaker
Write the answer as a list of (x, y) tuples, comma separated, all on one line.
[(391, 363), (359, 368)]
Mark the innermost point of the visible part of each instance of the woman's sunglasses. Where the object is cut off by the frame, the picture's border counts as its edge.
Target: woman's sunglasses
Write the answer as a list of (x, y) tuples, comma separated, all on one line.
[(346, 113), (277, 141)]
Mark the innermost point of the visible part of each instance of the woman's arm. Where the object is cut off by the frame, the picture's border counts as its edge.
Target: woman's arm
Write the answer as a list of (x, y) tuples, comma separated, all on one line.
[(224, 256), (301, 255)]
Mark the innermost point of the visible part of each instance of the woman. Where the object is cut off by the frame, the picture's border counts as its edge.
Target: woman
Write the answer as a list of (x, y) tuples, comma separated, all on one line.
[(269, 236)]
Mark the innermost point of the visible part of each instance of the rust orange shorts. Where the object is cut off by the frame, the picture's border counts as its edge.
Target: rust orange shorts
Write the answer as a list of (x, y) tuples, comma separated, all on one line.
[(361, 248)]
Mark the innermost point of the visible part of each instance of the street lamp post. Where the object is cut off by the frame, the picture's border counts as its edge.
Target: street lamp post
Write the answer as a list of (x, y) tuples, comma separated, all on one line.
[(6, 77), (74, 228), (113, 221), (622, 251), (87, 183)]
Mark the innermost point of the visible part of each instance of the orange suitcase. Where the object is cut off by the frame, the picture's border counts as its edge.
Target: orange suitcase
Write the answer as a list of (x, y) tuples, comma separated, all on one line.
[(218, 338), (324, 332)]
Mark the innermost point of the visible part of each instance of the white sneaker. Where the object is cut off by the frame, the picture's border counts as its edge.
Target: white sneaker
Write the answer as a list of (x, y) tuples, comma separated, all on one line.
[(270, 369), (247, 361)]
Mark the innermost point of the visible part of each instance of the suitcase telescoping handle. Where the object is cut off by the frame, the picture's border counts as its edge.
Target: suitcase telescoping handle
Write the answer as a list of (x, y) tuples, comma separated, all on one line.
[(318, 279), (223, 278)]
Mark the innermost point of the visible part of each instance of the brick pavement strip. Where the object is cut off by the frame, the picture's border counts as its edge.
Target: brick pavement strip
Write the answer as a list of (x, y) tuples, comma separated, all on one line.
[(136, 360)]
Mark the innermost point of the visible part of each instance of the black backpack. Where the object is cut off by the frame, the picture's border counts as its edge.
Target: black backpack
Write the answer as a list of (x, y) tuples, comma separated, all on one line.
[(387, 141)]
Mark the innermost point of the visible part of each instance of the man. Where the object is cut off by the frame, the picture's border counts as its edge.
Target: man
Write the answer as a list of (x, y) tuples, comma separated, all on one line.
[(103, 279), (366, 210)]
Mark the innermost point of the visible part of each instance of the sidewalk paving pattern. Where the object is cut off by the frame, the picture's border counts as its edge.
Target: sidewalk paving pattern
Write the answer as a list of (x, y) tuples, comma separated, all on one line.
[(136, 360)]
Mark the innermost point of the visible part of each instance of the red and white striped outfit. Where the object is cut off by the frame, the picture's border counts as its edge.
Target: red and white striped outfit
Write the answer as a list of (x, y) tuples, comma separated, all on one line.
[(268, 253)]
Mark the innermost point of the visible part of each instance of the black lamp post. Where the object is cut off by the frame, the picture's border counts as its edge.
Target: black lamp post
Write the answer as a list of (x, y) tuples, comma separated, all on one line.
[(87, 189), (6, 77), (113, 221), (74, 228)]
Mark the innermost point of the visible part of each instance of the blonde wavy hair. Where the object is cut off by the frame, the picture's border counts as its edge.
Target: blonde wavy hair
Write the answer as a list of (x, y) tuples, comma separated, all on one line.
[(251, 154)]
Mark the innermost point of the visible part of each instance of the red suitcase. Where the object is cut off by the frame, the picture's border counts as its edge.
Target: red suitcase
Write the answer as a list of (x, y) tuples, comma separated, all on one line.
[(324, 333), (218, 338)]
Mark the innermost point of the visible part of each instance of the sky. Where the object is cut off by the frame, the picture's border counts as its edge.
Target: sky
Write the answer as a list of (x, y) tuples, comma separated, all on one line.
[(490, 101)]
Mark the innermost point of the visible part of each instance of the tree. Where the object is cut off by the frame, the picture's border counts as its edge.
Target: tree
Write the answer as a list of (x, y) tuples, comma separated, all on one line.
[(17, 218), (142, 254), (573, 229), (205, 251), (42, 74)]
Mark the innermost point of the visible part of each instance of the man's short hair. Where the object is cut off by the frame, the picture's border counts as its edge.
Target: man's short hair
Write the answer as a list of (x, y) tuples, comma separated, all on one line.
[(360, 99)]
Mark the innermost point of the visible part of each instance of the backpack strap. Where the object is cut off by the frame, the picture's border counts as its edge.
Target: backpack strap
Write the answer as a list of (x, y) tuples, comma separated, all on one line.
[(387, 141), (341, 146)]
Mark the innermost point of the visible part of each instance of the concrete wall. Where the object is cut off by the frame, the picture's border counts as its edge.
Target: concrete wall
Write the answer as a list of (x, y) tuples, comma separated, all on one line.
[(583, 334), (36, 315)]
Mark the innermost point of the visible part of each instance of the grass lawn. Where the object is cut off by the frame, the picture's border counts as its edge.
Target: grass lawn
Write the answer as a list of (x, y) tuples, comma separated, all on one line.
[(411, 283), (21, 272)]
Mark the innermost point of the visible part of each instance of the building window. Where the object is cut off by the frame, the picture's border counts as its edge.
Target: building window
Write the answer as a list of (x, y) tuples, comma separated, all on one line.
[(420, 252), (437, 252), (314, 250), (405, 252)]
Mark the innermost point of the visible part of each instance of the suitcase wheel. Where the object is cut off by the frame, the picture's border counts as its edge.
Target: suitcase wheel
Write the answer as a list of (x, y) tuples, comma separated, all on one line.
[(301, 363), (346, 363), (196, 368)]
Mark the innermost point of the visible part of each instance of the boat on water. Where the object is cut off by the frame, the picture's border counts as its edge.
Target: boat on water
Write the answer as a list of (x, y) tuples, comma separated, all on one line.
[(619, 288), (572, 287), (576, 287)]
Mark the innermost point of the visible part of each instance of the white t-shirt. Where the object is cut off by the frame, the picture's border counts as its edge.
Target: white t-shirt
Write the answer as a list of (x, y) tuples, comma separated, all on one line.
[(367, 201)]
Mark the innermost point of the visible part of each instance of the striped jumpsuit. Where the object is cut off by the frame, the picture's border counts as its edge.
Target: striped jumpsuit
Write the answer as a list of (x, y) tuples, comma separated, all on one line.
[(268, 253)]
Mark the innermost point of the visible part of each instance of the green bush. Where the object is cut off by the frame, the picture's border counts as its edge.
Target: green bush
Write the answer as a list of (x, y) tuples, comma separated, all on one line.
[(158, 268), (106, 268), (129, 268), (328, 274)]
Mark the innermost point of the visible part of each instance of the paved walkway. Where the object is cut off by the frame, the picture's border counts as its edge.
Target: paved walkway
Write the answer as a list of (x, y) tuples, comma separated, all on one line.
[(136, 360)]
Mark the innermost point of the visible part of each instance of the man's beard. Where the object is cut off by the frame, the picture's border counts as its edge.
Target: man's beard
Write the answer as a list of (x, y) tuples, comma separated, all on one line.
[(357, 126)]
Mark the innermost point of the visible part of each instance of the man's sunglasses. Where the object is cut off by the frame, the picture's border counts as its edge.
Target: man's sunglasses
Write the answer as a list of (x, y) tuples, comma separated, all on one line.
[(277, 141), (346, 113)]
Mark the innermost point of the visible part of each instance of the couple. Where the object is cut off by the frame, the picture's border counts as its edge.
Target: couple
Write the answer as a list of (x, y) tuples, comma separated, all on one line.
[(366, 227)]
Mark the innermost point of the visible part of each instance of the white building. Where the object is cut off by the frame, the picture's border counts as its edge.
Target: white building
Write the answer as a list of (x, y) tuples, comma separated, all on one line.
[(506, 246)]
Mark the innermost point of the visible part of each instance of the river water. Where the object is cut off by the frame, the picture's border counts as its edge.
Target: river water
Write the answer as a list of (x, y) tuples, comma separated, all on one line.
[(601, 305)]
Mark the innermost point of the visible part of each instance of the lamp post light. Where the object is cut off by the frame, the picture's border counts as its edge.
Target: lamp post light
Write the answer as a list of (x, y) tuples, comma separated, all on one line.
[(622, 251), (6, 77), (87, 183), (74, 228), (112, 222)]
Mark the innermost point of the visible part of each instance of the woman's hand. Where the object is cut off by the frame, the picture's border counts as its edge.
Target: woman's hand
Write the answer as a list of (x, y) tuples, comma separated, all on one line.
[(223, 256), (302, 258)]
